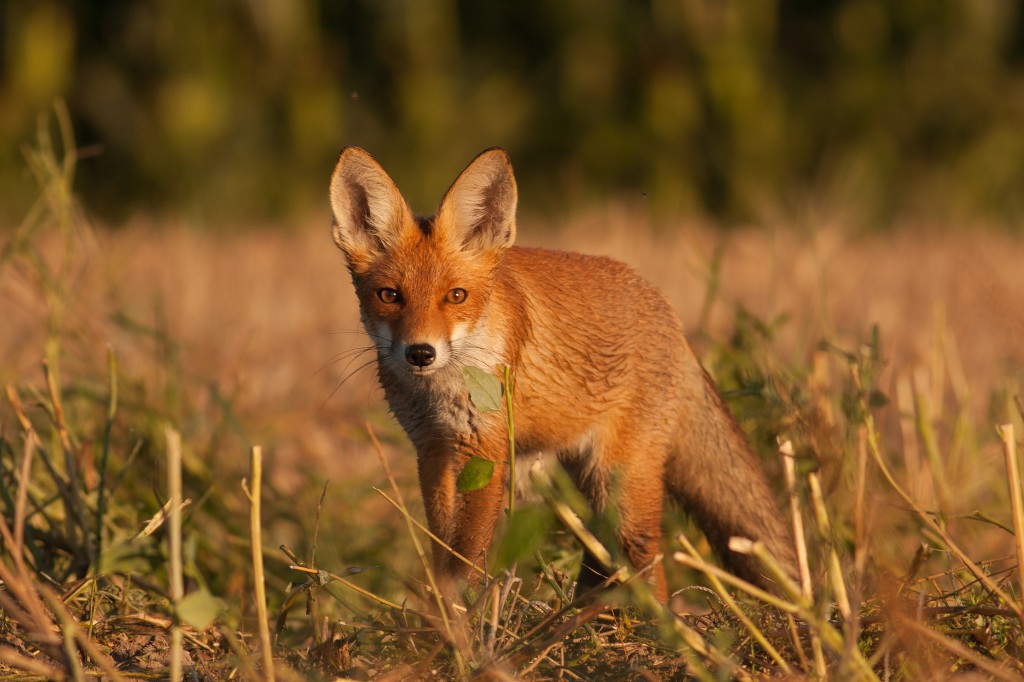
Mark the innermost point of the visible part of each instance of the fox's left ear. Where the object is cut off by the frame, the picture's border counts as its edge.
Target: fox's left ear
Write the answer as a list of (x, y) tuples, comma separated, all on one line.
[(478, 212)]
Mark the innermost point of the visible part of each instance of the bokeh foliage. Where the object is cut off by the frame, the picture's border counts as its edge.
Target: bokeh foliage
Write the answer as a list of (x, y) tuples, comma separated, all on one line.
[(236, 110)]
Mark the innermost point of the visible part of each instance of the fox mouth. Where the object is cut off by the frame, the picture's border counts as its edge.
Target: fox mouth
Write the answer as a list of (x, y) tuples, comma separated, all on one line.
[(398, 361), (425, 371)]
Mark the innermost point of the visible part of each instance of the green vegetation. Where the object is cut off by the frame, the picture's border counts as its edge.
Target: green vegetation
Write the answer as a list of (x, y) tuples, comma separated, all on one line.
[(234, 111), (106, 574)]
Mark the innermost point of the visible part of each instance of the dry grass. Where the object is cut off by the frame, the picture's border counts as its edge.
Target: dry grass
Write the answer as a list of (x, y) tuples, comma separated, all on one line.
[(250, 338), (264, 314)]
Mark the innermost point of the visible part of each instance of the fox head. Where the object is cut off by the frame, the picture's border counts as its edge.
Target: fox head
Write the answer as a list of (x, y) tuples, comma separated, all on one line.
[(424, 284)]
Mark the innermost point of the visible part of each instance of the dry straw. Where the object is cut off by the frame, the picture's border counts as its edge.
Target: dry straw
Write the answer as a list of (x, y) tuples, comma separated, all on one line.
[(1016, 504), (174, 568), (254, 491)]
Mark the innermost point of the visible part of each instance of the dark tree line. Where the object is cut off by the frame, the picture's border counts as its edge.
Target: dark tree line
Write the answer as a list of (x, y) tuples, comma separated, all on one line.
[(236, 109)]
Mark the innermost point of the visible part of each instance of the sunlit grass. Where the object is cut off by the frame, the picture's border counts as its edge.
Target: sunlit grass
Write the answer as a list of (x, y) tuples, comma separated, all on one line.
[(885, 437)]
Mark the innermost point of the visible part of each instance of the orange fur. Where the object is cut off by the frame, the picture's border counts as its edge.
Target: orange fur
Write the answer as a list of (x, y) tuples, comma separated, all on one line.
[(605, 379)]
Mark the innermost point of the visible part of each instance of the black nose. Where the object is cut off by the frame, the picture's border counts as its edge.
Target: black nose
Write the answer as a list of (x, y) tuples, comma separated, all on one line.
[(420, 354)]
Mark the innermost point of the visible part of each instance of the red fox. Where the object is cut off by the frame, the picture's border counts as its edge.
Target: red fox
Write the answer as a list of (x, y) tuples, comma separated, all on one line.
[(604, 376)]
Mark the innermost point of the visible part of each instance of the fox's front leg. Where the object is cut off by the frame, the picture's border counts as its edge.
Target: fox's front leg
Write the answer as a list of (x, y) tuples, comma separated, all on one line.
[(465, 521)]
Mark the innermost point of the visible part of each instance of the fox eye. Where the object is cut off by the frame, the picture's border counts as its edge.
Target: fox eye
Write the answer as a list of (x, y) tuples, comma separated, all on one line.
[(388, 295), (456, 296)]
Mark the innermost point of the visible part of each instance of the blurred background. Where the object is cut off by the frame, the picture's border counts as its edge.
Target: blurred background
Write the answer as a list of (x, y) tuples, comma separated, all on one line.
[(233, 111)]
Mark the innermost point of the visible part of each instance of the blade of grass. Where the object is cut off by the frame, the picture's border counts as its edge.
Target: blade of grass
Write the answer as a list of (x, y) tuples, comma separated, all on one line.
[(930, 523), (835, 572), (13, 658), (690, 637), (176, 589), (444, 545), (101, 499), (21, 584), (573, 522), (719, 587), (923, 407), (236, 645), (58, 409), (789, 468), (350, 585), (997, 671), (1016, 503), (735, 582), (21, 603), (449, 629), (72, 488), (534, 649), (830, 637), (74, 634), (253, 491), (21, 495), (428, 533), (511, 428), (312, 603), (71, 658)]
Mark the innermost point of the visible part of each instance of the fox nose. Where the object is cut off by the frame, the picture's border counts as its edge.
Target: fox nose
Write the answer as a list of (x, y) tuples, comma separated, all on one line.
[(420, 354)]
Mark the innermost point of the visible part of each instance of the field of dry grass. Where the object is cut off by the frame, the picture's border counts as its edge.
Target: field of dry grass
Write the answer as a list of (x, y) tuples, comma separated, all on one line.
[(266, 314), (251, 337)]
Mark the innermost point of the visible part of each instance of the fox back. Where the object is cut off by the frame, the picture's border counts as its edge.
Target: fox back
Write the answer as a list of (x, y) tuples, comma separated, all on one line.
[(605, 379)]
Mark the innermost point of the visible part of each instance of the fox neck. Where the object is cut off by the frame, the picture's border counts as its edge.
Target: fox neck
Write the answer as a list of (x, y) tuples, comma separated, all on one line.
[(426, 406)]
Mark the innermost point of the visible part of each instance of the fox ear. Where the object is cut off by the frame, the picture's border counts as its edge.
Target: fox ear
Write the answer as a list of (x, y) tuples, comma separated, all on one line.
[(369, 211), (478, 211)]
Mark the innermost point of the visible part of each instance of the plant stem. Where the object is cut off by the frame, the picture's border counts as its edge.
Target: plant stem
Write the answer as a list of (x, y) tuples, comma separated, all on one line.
[(101, 501), (259, 582), (1016, 502), (177, 587), (510, 422)]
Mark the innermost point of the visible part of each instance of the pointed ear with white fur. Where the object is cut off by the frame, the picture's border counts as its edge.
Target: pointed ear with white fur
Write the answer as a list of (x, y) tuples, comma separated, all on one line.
[(478, 212), (369, 211)]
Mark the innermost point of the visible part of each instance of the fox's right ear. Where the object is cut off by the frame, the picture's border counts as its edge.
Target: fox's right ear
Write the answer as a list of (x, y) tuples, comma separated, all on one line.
[(369, 211)]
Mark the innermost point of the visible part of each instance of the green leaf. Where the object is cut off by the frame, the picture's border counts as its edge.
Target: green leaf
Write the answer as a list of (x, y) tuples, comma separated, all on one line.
[(484, 389), (527, 530), (475, 475), (199, 609), (134, 555)]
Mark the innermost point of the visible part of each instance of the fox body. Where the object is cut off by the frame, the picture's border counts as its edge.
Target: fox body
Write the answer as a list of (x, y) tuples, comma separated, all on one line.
[(604, 377)]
